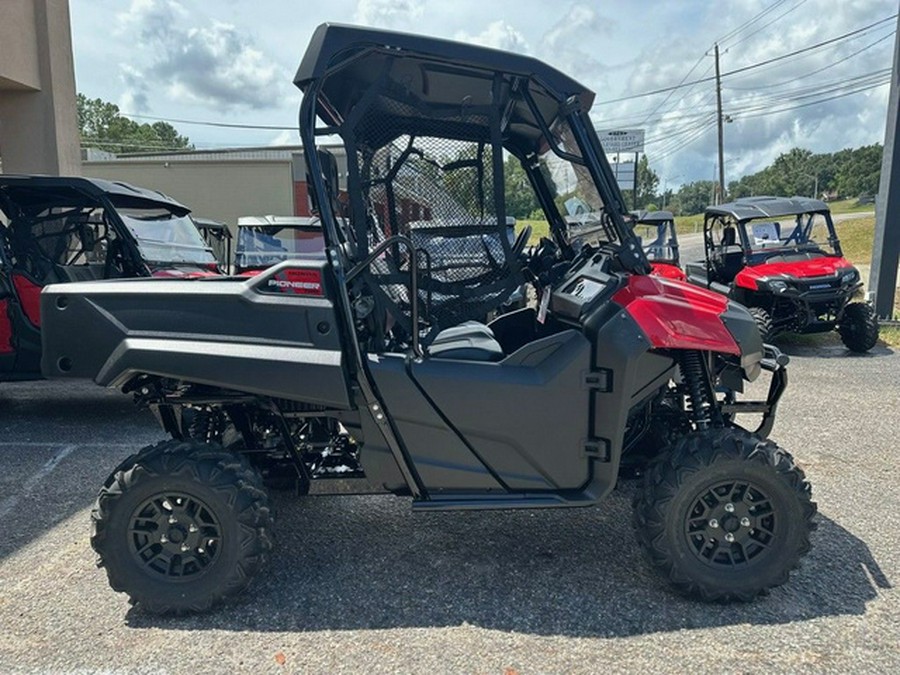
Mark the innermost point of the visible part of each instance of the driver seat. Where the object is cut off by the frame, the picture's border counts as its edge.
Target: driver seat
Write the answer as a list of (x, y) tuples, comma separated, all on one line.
[(469, 341)]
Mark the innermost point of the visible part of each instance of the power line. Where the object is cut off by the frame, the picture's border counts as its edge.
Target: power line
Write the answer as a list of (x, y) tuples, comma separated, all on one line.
[(226, 125), (762, 28), (753, 66), (720, 40), (766, 111), (818, 70), (753, 20)]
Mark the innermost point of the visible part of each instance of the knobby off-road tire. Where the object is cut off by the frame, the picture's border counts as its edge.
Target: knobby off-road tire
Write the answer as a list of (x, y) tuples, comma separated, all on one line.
[(725, 515), (763, 322), (858, 327), (182, 526)]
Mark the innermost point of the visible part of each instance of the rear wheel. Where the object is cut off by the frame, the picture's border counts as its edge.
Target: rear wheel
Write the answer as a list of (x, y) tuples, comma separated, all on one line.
[(725, 515), (858, 327), (763, 322), (182, 526)]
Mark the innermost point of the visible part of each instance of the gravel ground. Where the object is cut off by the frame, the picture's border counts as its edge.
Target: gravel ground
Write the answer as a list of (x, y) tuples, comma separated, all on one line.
[(361, 584)]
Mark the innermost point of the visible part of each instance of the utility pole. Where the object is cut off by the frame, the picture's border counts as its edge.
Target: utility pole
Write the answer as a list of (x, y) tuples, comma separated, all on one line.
[(886, 252), (720, 119)]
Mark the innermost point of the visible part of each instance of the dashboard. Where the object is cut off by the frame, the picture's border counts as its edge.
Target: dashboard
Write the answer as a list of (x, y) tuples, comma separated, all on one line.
[(585, 285)]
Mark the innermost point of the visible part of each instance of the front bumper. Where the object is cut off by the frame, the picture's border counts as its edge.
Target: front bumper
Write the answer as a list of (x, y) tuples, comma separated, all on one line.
[(776, 363), (814, 309)]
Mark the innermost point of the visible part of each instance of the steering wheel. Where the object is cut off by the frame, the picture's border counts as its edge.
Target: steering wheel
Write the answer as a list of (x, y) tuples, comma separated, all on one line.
[(521, 241)]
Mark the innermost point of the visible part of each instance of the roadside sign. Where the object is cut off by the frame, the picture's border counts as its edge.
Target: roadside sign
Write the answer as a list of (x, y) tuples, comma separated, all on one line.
[(622, 140), (624, 173)]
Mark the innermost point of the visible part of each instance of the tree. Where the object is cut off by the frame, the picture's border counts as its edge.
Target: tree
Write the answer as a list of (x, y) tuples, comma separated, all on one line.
[(849, 172), (101, 125), (521, 200), (693, 197), (647, 184)]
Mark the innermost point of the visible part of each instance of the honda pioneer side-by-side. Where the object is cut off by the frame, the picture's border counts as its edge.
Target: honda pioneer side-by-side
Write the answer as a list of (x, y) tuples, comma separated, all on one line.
[(782, 258), (346, 373), (66, 229)]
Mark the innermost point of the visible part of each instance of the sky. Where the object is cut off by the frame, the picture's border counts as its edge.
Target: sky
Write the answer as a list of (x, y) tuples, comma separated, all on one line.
[(233, 61)]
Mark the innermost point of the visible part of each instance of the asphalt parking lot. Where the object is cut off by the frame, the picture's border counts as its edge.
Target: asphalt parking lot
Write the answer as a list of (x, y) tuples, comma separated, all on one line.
[(362, 584)]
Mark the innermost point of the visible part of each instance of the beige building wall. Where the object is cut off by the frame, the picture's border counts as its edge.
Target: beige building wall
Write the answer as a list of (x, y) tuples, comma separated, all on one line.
[(38, 116), (219, 190)]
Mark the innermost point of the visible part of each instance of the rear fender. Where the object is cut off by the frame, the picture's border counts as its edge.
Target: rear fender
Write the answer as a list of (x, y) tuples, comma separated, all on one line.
[(274, 335)]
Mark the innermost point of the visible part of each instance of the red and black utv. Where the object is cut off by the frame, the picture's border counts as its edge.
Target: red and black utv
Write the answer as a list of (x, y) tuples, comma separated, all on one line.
[(781, 258), (344, 373), (65, 229), (660, 241)]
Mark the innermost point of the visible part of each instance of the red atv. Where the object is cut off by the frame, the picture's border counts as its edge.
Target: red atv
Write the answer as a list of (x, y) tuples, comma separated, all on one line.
[(660, 242), (65, 229), (781, 258)]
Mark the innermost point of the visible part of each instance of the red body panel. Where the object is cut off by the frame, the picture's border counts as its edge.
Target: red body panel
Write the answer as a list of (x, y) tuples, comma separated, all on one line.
[(6, 345), (297, 281), (676, 315), (668, 270), (818, 267), (29, 297)]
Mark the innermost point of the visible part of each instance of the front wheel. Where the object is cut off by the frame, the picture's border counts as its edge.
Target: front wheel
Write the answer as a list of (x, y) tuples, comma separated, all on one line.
[(725, 515), (181, 526), (858, 327), (763, 323)]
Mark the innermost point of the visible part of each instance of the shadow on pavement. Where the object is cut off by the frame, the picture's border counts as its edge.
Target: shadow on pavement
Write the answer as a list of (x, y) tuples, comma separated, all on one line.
[(827, 346), (369, 563)]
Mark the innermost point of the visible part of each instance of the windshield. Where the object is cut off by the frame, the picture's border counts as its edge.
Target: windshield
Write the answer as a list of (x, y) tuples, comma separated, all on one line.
[(658, 240), (800, 231), (575, 193), (266, 245), (163, 237)]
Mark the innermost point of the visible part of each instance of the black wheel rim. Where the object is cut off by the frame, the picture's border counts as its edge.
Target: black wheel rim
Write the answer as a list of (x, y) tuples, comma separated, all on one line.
[(731, 524), (175, 536)]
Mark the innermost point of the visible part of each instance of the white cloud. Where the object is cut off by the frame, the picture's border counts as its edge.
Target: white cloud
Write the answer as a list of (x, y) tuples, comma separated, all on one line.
[(213, 63), (499, 35), (235, 59), (574, 44), (388, 12), (286, 137)]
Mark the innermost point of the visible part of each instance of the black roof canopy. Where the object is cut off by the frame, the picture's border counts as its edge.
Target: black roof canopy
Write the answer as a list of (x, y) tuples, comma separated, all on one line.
[(653, 217), (748, 208), (37, 190), (406, 83)]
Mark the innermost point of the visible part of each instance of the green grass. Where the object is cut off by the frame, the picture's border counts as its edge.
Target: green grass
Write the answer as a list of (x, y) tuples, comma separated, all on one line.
[(857, 236), (539, 228), (890, 335), (685, 224), (850, 206)]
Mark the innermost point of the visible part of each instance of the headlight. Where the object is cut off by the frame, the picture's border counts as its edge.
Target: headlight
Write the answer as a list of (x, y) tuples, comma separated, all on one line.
[(850, 277), (777, 286)]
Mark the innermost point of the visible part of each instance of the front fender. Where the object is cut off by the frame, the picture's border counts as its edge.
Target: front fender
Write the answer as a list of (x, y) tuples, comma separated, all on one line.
[(676, 315)]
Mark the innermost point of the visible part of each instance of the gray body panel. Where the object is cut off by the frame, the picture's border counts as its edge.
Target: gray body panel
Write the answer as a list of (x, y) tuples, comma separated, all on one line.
[(230, 333)]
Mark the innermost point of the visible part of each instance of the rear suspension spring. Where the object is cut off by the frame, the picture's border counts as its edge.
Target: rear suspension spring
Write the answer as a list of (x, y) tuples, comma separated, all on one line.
[(700, 405)]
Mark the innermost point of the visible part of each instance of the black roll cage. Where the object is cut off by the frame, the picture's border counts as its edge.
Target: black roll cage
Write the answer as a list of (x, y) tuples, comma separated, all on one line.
[(740, 225)]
